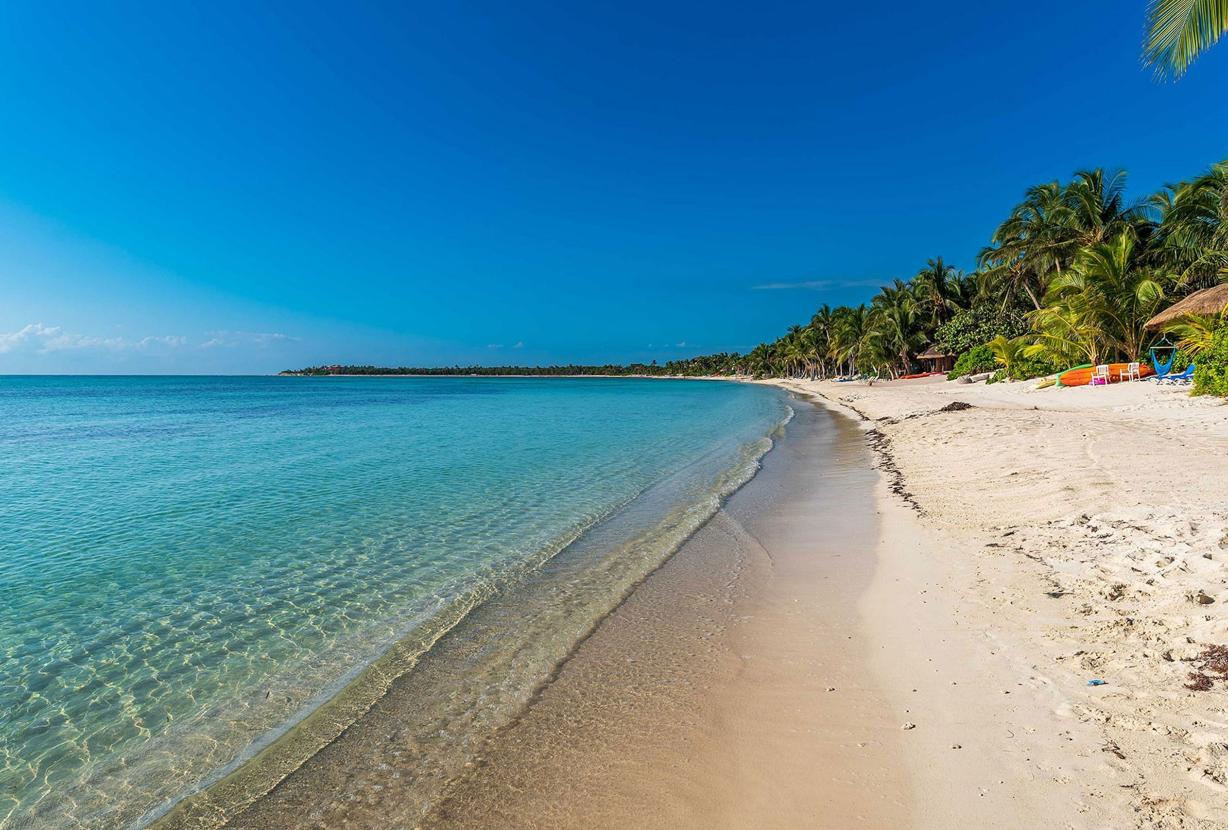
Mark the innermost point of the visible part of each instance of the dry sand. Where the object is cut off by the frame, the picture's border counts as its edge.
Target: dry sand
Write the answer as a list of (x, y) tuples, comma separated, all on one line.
[(1055, 536)]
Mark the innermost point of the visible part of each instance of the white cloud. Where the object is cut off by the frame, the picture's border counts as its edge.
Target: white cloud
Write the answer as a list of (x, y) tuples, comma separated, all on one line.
[(494, 345), (174, 341), (233, 339), (41, 339), (519, 344), (681, 344)]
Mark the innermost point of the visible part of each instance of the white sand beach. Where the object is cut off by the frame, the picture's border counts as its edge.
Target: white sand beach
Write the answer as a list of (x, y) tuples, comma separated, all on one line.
[(1031, 543)]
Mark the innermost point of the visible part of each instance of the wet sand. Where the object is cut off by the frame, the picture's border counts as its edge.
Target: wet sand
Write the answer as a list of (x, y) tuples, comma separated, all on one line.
[(730, 689)]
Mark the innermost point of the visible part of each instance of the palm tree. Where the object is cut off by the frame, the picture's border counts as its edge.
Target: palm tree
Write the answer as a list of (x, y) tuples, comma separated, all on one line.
[(1108, 296), (937, 290), (1023, 250), (1051, 225), (1178, 31), (823, 324), (1193, 227), (848, 335), (893, 326)]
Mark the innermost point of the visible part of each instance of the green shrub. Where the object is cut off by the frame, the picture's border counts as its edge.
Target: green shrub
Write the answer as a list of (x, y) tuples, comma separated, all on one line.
[(970, 328), (1211, 367), (974, 361), (1027, 368)]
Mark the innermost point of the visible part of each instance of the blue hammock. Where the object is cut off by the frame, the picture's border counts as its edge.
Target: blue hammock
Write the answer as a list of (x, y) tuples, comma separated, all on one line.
[(1162, 367)]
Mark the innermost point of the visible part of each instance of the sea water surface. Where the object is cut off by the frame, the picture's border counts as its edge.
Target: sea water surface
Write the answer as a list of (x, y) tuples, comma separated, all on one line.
[(189, 565)]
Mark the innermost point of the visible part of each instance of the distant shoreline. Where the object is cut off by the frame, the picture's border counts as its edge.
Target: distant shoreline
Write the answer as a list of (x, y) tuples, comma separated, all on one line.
[(479, 375)]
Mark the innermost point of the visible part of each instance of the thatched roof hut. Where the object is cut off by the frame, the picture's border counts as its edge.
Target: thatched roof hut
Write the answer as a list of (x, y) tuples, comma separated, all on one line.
[(936, 360), (1208, 301)]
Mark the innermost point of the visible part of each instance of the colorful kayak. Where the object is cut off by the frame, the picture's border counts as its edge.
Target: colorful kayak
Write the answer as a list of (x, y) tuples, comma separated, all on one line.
[(1082, 375)]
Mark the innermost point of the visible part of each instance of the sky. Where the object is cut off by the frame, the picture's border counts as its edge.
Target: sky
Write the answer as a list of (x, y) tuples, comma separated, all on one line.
[(248, 187)]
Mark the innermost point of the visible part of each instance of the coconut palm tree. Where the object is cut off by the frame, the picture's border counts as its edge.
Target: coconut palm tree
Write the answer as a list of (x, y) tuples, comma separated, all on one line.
[(1178, 31), (823, 326), (894, 326), (937, 288), (848, 336), (1023, 249), (1109, 295), (1192, 236), (1045, 231)]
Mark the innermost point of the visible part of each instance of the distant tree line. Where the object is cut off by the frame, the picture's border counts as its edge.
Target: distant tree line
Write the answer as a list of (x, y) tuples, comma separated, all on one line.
[(718, 364)]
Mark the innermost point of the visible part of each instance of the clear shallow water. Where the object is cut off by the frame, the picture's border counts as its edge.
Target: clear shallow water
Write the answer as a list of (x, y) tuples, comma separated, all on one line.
[(188, 563)]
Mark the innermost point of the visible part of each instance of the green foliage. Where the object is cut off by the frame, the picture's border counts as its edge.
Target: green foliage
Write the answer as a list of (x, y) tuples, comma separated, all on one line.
[(1178, 31), (975, 326), (1211, 370), (1018, 360), (1027, 368), (974, 361)]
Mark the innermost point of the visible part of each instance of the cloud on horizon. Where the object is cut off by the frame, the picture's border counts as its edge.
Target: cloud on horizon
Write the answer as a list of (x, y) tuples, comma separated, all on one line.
[(37, 338), (41, 339)]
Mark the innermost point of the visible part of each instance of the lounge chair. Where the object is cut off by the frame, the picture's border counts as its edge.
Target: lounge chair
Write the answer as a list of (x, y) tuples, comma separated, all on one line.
[(1181, 379)]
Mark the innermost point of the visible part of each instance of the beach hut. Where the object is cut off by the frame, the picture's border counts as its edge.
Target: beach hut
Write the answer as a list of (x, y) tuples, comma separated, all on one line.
[(936, 360), (1208, 301)]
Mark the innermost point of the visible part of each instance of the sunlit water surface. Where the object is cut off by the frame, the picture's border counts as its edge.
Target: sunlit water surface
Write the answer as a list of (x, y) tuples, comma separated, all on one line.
[(188, 563)]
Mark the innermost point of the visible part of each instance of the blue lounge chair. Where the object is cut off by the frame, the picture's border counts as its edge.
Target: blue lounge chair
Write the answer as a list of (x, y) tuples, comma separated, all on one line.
[(1180, 379)]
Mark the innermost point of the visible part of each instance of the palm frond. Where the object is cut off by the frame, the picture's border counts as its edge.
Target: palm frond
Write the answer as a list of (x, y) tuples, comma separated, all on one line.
[(1178, 31)]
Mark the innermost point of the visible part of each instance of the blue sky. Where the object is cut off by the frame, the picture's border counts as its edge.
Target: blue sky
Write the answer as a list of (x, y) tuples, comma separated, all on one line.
[(245, 187)]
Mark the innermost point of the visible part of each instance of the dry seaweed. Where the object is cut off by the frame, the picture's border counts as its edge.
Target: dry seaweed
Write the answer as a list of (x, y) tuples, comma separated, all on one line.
[(1210, 666)]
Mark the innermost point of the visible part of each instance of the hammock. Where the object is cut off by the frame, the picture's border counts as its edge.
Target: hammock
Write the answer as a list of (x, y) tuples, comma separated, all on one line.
[(1163, 367)]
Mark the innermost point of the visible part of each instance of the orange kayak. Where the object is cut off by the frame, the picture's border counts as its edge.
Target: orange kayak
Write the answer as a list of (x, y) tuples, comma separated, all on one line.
[(1083, 375)]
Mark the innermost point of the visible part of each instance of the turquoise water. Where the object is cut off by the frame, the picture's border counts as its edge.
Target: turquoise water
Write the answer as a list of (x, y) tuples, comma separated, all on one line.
[(189, 564)]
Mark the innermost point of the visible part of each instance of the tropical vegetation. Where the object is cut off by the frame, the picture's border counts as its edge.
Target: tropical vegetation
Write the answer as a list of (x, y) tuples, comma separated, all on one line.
[(1069, 277), (1178, 31)]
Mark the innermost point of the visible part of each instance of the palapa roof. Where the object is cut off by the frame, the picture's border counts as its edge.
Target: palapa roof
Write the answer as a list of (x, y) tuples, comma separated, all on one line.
[(1208, 301), (932, 352)]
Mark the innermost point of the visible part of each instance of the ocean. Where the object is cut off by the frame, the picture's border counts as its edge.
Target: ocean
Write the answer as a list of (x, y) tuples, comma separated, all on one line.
[(191, 566)]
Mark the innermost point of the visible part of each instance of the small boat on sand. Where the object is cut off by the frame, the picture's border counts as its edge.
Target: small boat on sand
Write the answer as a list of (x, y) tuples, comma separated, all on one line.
[(1082, 375)]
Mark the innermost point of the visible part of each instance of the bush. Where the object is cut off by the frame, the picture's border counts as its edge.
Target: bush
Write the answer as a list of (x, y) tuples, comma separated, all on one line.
[(1027, 368), (974, 361), (970, 328), (1211, 367)]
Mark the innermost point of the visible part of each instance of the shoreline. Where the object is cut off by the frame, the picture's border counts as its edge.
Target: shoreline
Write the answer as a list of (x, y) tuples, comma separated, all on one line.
[(435, 658), (729, 684)]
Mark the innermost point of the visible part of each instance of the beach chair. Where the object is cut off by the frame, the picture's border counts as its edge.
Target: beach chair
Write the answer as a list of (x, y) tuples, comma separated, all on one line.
[(1100, 375), (1130, 373), (1182, 379)]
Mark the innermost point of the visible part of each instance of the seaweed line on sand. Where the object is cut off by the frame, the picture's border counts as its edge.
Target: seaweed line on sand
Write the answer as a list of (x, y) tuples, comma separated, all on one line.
[(881, 445)]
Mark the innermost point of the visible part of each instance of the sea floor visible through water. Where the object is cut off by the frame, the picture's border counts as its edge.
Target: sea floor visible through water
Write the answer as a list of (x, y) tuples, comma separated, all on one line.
[(690, 705), (211, 578)]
